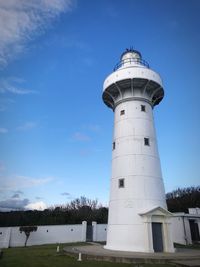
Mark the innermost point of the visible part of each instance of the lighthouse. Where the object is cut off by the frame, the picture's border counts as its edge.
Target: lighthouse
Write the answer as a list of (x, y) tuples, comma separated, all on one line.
[(138, 218)]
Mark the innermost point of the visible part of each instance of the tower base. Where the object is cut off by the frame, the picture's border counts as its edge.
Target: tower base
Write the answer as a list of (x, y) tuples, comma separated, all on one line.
[(153, 234)]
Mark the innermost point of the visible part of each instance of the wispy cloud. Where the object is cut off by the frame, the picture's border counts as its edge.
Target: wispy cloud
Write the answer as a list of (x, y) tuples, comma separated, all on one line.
[(94, 127), (16, 182), (21, 20), (65, 194), (3, 130), (38, 198), (19, 192), (78, 136), (27, 126), (13, 85)]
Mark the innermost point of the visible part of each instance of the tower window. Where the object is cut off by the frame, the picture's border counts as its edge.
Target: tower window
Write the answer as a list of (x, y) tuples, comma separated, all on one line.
[(121, 183), (143, 108), (113, 145), (122, 112), (146, 141)]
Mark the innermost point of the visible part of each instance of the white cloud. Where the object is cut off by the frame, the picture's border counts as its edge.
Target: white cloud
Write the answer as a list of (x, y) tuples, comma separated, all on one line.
[(40, 205), (13, 85), (3, 130), (27, 126), (21, 20)]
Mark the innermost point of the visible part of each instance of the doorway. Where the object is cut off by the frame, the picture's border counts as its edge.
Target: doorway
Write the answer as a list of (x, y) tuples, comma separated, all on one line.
[(89, 233), (157, 237), (194, 229)]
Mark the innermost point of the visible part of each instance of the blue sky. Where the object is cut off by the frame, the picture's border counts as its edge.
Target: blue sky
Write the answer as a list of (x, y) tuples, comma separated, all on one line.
[(55, 131)]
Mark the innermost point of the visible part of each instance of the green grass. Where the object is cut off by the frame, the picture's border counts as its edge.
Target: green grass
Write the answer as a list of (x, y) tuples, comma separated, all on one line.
[(46, 256), (193, 246)]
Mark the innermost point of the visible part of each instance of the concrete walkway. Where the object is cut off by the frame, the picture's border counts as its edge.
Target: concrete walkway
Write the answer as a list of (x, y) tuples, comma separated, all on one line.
[(182, 257)]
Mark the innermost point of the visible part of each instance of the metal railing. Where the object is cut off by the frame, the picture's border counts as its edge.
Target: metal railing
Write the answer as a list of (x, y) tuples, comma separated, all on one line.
[(137, 61)]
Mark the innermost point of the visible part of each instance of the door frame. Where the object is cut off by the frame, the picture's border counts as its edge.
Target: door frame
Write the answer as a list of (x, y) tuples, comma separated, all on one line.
[(158, 215)]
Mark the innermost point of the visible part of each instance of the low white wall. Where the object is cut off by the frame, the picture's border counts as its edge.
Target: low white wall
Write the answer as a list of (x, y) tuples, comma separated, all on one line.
[(177, 227), (181, 231), (101, 232), (11, 236), (47, 234), (5, 237)]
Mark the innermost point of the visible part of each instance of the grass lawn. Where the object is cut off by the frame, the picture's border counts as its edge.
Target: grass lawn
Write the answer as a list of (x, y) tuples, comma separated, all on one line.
[(46, 256), (193, 246)]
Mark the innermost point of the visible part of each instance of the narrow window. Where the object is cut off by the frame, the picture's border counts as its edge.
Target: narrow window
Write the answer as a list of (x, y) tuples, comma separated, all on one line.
[(113, 145), (122, 112), (121, 183), (143, 108), (146, 141)]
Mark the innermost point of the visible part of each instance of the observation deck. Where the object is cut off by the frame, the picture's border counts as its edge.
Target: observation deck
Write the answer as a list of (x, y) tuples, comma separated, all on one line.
[(132, 79)]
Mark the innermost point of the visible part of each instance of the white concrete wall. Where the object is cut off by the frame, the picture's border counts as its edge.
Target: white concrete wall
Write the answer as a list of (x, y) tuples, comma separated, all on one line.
[(177, 227), (11, 236), (181, 227), (5, 237), (99, 232)]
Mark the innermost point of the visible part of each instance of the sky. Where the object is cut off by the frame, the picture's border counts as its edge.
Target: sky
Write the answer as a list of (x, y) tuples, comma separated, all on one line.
[(55, 130)]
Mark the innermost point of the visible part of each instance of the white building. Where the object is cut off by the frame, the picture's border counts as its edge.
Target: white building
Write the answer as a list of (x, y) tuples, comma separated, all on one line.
[(186, 227), (138, 217)]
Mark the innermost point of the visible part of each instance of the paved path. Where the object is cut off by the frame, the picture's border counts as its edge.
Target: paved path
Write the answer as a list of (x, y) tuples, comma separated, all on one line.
[(190, 257)]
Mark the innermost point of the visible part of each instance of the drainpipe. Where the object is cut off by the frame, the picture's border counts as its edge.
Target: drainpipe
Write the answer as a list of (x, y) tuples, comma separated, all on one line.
[(185, 236)]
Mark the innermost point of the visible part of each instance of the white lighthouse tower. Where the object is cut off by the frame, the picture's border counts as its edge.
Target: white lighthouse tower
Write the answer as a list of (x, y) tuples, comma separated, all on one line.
[(138, 217)]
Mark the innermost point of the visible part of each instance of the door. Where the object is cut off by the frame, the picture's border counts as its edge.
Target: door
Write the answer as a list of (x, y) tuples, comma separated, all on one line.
[(194, 229), (157, 237), (89, 233)]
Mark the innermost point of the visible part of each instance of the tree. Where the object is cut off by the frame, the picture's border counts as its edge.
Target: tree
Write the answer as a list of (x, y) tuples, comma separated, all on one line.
[(27, 230), (181, 199), (74, 212)]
